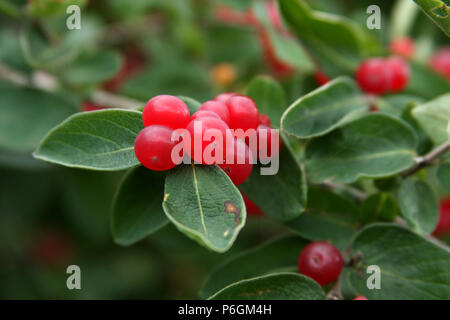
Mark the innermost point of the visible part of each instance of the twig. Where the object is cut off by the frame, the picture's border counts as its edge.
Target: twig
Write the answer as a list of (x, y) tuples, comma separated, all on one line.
[(427, 160), (47, 82), (335, 292)]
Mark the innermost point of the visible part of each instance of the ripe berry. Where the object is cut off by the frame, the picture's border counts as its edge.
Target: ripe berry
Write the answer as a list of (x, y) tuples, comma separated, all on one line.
[(360, 298), (443, 225), (199, 129), (403, 47), (320, 261), (166, 110), (153, 147), (243, 113), (440, 62), (372, 76), (217, 107), (238, 163), (264, 119), (251, 207), (399, 73), (205, 114), (321, 78), (223, 97)]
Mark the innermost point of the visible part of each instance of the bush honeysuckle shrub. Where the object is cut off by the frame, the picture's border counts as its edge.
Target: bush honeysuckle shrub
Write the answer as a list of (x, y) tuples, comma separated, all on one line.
[(344, 146)]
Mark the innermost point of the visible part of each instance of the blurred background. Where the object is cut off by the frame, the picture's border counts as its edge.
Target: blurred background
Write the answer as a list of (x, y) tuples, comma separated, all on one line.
[(50, 216)]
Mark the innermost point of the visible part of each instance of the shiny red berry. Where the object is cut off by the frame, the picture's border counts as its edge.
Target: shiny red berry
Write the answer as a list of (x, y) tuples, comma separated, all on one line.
[(205, 114), (440, 62), (320, 261), (443, 225), (166, 110), (264, 119), (238, 163), (403, 47), (206, 133), (243, 113), (360, 298), (223, 97), (153, 147), (372, 76), (399, 73), (217, 107)]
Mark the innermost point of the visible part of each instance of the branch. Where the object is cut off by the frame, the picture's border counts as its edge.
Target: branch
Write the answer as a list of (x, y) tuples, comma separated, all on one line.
[(427, 160), (47, 82)]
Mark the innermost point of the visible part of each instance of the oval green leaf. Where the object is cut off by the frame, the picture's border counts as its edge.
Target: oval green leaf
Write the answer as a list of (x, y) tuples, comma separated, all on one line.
[(204, 204), (375, 145), (276, 255), (281, 196), (418, 205), (276, 286), (96, 140), (323, 109), (137, 211), (411, 267)]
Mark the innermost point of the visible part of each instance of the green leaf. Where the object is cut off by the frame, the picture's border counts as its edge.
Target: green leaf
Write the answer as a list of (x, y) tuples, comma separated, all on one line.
[(324, 109), (281, 196), (204, 204), (443, 174), (329, 217), (335, 41), (276, 286), (137, 210), (93, 68), (376, 145), (272, 256), (426, 82), (379, 207), (419, 206), (97, 140), (49, 8), (269, 97), (192, 104), (411, 266), (27, 114), (438, 11), (434, 117)]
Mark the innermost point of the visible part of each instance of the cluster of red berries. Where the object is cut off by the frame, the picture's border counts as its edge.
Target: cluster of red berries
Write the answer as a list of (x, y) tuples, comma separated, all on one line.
[(168, 124), (379, 76)]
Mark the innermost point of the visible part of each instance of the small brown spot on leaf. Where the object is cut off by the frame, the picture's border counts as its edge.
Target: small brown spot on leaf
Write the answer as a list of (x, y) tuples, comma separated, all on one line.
[(230, 207)]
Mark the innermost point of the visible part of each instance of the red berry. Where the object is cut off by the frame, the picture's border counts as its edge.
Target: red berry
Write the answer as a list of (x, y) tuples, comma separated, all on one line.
[(372, 76), (251, 207), (320, 261), (243, 113), (403, 47), (52, 248), (217, 107), (166, 110), (205, 114), (203, 134), (440, 62), (153, 147), (238, 162), (360, 298), (223, 97), (264, 119), (321, 78), (443, 225), (399, 73)]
